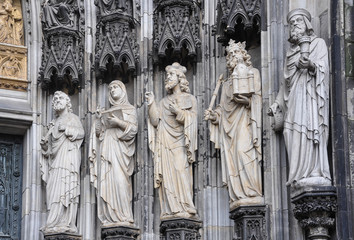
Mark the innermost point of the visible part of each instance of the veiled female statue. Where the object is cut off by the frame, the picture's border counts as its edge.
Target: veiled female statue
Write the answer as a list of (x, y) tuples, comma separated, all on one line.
[(115, 130)]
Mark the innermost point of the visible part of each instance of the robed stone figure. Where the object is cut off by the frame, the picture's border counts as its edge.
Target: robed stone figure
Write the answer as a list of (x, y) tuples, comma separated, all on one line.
[(173, 140), (114, 132), (61, 166), (304, 99), (236, 128)]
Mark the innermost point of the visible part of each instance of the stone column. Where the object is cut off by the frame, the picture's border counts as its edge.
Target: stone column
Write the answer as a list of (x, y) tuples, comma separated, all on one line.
[(120, 232), (62, 236), (315, 209), (181, 229), (250, 222)]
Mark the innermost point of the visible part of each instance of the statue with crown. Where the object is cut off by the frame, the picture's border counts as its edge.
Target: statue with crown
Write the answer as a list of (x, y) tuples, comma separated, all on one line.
[(235, 128)]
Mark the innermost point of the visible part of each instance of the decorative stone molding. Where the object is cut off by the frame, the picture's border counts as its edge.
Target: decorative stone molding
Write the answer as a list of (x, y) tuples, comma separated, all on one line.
[(180, 228), (63, 45), (62, 236), (121, 233), (117, 51), (250, 222), (176, 31), (315, 209), (239, 20)]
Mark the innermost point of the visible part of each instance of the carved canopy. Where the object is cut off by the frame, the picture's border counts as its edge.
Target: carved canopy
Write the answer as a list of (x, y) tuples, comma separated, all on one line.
[(62, 58), (176, 28), (239, 20), (116, 43)]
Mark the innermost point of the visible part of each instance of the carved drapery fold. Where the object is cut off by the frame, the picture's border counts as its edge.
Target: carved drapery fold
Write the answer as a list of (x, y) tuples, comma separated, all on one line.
[(239, 20), (63, 45), (116, 43), (176, 31)]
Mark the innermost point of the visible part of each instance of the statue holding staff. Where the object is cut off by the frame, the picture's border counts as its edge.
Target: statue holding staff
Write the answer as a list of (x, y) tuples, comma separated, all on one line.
[(236, 128)]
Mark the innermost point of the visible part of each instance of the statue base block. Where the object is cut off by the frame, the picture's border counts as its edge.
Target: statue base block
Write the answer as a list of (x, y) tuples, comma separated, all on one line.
[(119, 233), (315, 209), (180, 228), (250, 222), (62, 236)]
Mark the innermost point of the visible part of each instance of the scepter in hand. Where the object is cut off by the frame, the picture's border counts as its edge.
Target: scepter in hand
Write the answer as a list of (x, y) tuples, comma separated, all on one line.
[(213, 98)]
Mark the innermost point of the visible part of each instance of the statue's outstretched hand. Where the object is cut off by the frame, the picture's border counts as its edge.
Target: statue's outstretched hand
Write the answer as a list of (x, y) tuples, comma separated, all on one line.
[(150, 97)]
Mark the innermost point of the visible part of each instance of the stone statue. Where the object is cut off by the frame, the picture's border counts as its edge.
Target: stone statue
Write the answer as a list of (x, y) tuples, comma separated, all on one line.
[(109, 6), (236, 128), (116, 129), (304, 98), (58, 13), (11, 24), (61, 166), (173, 140)]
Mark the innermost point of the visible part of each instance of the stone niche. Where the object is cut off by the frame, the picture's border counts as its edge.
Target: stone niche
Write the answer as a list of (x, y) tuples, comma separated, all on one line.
[(13, 53)]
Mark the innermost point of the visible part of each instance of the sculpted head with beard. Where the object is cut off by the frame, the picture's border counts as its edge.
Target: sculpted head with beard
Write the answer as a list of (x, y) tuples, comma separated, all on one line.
[(61, 101), (236, 53), (176, 75), (299, 25)]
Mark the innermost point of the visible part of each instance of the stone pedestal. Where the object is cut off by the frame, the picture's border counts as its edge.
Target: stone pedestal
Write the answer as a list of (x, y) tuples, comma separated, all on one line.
[(180, 228), (62, 236), (119, 233), (315, 209), (250, 222)]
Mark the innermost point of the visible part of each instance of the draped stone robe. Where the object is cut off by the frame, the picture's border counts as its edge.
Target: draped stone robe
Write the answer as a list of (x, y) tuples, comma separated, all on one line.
[(61, 172), (117, 148), (237, 133), (173, 141), (304, 96)]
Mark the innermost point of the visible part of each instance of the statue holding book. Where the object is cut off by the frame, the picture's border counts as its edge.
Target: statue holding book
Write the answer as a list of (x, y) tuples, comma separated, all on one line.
[(115, 130)]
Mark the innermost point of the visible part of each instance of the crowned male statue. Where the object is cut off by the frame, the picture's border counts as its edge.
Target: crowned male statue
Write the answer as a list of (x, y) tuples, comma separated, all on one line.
[(236, 128), (304, 99), (173, 140)]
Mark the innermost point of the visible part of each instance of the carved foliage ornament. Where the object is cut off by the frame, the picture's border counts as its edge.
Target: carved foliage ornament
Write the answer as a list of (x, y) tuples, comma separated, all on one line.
[(116, 43), (176, 25), (238, 19), (63, 27)]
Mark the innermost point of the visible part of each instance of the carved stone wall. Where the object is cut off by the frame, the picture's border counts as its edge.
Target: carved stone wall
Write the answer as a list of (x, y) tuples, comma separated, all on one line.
[(176, 31), (62, 51), (117, 53)]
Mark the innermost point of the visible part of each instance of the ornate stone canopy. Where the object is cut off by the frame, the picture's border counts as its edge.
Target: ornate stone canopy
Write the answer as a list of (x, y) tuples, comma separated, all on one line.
[(116, 44), (239, 20), (176, 31)]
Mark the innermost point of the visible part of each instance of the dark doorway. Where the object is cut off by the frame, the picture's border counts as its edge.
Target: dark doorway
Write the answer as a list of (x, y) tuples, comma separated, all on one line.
[(10, 186)]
